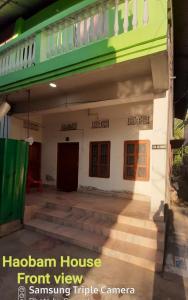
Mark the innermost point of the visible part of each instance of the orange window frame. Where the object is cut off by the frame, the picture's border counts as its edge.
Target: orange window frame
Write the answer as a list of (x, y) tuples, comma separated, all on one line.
[(135, 165)]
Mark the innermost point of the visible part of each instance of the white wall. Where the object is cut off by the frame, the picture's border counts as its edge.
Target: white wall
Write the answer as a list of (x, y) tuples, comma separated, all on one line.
[(160, 170), (17, 130), (118, 132)]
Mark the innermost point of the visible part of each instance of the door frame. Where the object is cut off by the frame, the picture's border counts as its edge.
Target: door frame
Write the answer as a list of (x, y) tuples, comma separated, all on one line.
[(58, 153), (40, 161)]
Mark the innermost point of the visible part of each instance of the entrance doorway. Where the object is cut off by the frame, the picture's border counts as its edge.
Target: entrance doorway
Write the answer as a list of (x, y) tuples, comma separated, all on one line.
[(34, 166), (67, 166)]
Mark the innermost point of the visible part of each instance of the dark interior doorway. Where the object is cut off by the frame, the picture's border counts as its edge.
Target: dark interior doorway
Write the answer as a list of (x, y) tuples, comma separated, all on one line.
[(34, 166), (67, 166)]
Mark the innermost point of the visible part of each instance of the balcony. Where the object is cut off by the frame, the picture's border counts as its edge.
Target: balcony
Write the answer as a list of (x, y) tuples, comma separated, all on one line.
[(86, 36)]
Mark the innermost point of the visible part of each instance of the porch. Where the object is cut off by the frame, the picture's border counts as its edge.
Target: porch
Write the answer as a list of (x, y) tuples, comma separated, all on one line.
[(113, 225), (113, 144)]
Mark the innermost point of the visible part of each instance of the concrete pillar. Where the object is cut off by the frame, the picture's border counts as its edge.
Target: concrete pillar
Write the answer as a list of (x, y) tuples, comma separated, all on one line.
[(159, 157)]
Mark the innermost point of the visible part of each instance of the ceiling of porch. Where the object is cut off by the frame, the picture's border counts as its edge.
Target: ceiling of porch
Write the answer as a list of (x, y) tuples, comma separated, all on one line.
[(101, 84)]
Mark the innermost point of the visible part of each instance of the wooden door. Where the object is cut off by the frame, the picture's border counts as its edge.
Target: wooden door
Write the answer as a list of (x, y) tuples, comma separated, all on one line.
[(34, 167), (67, 166)]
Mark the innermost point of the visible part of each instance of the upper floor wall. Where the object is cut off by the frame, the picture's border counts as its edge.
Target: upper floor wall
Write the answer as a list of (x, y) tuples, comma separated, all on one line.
[(85, 36)]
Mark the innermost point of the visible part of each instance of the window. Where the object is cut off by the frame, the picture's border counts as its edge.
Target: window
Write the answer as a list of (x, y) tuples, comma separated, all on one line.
[(99, 159), (137, 160)]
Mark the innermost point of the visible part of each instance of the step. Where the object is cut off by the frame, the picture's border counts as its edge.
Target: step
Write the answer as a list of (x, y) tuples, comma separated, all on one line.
[(53, 215), (119, 231), (141, 256), (81, 209), (132, 208), (123, 194)]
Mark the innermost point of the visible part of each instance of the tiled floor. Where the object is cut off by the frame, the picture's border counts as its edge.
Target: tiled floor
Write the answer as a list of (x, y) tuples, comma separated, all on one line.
[(132, 208), (113, 273)]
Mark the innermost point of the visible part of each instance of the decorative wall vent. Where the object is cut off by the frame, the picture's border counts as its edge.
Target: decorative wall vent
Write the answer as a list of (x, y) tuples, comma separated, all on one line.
[(139, 120), (31, 125), (100, 124), (69, 126)]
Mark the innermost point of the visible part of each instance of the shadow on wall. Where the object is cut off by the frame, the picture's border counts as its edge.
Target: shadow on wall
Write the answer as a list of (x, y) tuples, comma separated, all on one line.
[(167, 284)]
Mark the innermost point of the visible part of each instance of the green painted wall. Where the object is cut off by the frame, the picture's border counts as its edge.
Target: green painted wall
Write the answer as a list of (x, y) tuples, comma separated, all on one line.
[(19, 26)]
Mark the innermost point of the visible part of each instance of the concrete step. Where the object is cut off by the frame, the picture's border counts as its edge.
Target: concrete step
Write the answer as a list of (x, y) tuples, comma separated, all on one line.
[(117, 231), (124, 194), (83, 209), (136, 254)]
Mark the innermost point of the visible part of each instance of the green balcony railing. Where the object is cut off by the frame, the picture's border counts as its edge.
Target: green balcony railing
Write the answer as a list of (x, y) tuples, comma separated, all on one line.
[(84, 24), (18, 57), (91, 24)]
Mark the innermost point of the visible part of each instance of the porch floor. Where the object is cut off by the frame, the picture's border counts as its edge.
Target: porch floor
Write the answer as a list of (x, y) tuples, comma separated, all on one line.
[(109, 204)]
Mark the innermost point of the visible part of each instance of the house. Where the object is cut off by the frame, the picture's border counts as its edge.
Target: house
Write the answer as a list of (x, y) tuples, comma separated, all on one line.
[(92, 81)]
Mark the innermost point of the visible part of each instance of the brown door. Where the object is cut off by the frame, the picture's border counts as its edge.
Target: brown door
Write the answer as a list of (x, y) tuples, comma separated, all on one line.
[(34, 167), (67, 166)]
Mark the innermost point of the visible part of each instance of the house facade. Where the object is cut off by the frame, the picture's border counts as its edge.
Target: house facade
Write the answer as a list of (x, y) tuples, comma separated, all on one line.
[(94, 81)]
